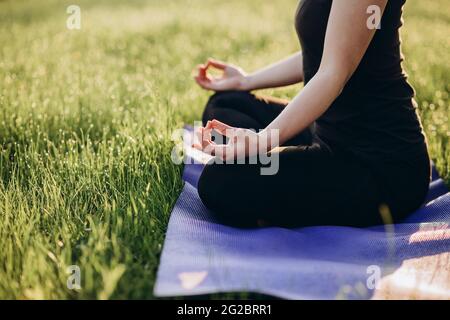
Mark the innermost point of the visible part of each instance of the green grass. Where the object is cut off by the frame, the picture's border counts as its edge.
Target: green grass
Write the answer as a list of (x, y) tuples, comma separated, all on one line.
[(86, 119)]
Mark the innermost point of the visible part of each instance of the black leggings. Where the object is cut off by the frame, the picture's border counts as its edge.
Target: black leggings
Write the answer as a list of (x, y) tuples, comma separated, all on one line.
[(315, 184)]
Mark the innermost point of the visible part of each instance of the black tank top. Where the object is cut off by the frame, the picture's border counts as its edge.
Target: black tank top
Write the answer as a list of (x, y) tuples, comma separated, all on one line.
[(375, 115)]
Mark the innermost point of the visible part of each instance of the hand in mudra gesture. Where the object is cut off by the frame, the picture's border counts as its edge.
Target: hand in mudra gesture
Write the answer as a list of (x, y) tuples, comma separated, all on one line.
[(232, 77), (241, 142)]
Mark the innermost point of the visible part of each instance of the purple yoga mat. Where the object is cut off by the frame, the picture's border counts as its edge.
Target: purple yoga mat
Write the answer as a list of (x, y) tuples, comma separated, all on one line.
[(201, 256)]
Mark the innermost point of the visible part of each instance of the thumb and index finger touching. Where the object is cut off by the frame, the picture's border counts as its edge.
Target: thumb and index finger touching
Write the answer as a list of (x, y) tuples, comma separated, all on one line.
[(202, 78), (203, 68), (216, 64), (220, 127)]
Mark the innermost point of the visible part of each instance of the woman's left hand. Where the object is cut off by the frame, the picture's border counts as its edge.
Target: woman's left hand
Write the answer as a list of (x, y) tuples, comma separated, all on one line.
[(241, 142)]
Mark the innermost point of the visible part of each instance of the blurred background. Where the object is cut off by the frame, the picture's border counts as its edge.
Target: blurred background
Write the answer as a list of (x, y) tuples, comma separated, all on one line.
[(86, 117)]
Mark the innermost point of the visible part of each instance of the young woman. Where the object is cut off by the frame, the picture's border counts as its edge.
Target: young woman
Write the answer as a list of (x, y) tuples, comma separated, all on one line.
[(354, 153)]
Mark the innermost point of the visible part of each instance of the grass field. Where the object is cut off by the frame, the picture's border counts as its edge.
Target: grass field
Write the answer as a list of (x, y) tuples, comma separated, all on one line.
[(86, 118)]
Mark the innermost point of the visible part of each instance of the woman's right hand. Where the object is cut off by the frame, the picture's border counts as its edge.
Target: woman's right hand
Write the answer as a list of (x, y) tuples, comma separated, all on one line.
[(232, 78)]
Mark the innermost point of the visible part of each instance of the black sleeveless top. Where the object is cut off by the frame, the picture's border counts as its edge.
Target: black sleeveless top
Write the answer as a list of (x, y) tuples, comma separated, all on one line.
[(375, 115)]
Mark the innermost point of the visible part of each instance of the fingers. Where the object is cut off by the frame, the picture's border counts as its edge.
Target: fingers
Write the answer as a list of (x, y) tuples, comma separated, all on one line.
[(219, 150), (220, 127), (239, 143), (206, 137), (216, 64), (202, 78), (209, 147), (206, 147), (202, 142), (201, 138), (198, 138), (202, 69), (210, 83), (215, 84), (204, 83)]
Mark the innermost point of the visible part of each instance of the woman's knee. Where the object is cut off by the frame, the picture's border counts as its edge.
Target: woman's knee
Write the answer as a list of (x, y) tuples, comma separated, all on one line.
[(217, 190), (209, 190)]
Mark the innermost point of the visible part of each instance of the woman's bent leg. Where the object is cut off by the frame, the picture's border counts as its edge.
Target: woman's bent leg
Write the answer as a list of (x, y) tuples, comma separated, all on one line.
[(313, 186)]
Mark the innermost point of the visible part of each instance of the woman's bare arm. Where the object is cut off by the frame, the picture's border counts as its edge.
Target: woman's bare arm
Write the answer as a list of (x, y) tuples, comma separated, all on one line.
[(282, 73), (347, 39)]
